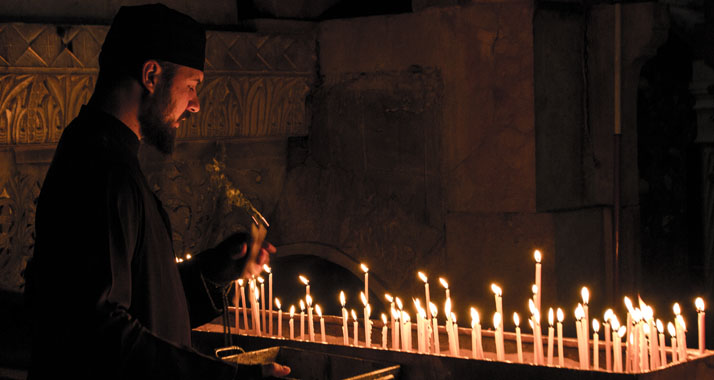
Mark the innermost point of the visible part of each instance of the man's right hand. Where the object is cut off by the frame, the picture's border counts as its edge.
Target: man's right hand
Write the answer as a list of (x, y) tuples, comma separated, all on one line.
[(275, 370)]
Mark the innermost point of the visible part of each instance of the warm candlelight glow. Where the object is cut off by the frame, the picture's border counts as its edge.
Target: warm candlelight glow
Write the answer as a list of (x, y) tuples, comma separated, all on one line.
[(354, 315), (475, 319), (304, 280), (615, 323), (561, 315), (399, 303), (292, 311), (453, 317), (434, 310), (585, 294), (537, 256), (318, 311), (699, 304), (608, 314), (516, 320), (496, 320), (308, 300), (531, 306), (342, 298), (363, 297), (443, 282), (550, 316), (260, 279), (496, 290), (384, 318), (447, 307), (422, 276), (302, 305), (364, 268), (395, 313), (628, 305), (388, 297), (240, 282), (677, 310), (637, 315), (277, 303), (534, 289), (660, 326), (622, 331), (680, 320), (670, 329), (266, 268), (596, 325), (579, 312), (417, 304), (647, 313)]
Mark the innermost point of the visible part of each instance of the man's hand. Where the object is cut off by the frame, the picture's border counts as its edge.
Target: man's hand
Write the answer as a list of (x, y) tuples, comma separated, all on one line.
[(228, 260), (275, 370)]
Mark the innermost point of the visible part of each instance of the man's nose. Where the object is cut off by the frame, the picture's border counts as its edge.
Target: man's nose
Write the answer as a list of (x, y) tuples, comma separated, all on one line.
[(193, 104)]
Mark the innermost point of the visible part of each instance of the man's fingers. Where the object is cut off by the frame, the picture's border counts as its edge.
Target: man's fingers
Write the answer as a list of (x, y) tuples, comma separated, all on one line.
[(275, 370)]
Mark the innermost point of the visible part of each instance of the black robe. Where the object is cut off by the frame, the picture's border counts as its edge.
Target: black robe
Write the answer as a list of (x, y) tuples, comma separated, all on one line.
[(106, 296)]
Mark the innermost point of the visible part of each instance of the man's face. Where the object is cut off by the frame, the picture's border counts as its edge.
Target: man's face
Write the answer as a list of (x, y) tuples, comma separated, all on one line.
[(173, 100)]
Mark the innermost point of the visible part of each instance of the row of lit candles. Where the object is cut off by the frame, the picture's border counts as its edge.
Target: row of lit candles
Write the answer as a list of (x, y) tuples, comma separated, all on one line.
[(643, 351)]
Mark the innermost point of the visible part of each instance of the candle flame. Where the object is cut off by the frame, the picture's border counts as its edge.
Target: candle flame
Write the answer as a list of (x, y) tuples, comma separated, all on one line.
[(422, 276), (364, 268), (260, 280), (453, 317), (417, 304), (304, 280), (677, 310), (637, 315), (342, 298), (266, 268), (302, 305), (561, 315), (647, 313), (670, 328), (443, 282), (399, 303), (646, 329), (516, 320), (447, 307), (292, 311), (318, 310), (531, 306), (641, 303), (608, 314), (534, 289), (364, 298), (530, 322), (615, 323), (257, 294), (308, 300), (368, 310), (434, 310), (660, 326), (388, 297), (579, 312), (699, 303), (354, 315), (550, 316), (475, 319), (537, 256), (621, 331), (188, 256), (585, 294), (405, 317), (596, 325), (496, 320), (384, 319), (496, 290), (277, 303), (395, 314), (422, 313), (536, 316), (628, 305), (240, 282), (680, 320)]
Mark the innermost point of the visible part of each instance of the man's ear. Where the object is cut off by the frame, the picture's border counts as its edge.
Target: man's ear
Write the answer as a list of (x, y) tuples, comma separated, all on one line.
[(150, 72)]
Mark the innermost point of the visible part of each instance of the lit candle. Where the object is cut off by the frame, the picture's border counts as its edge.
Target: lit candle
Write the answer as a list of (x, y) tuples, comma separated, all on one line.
[(310, 321), (519, 347), (368, 341), (498, 297), (455, 328), (579, 331), (699, 304), (292, 329), (434, 328), (585, 294), (447, 326), (280, 317), (636, 354), (305, 281), (538, 357), (673, 334), (355, 327), (400, 306), (367, 329), (682, 338), (476, 346), (608, 339), (390, 299), (262, 302), (423, 277), (421, 341), (239, 288), (366, 281), (345, 338), (550, 335), (596, 344), (322, 323), (256, 308), (662, 344), (302, 320), (617, 335), (499, 342), (537, 256), (648, 314), (561, 316), (406, 332), (395, 329), (446, 286), (384, 331), (270, 297)]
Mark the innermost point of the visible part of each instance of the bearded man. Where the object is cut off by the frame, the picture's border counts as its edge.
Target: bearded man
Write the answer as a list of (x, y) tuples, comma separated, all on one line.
[(106, 296)]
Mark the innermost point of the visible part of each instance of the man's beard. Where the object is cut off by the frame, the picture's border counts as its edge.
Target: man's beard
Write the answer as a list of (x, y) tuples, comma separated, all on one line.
[(156, 124)]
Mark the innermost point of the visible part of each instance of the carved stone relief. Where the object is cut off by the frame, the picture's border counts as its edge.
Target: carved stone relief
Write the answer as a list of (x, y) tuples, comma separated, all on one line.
[(255, 86)]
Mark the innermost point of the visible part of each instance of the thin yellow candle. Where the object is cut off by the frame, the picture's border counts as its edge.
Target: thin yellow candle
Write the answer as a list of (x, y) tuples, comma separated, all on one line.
[(256, 310), (435, 328), (421, 341), (355, 327), (367, 329), (476, 345), (455, 329), (673, 335), (561, 317), (240, 294), (322, 323), (537, 256), (423, 277), (310, 321), (498, 298), (579, 331), (445, 285), (305, 281), (263, 303), (390, 299), (406, 332), (662, 344), (345, 338), (608, 338), (551, 318), (585, 294), (395, 328), (699, 304), (365, 269), (447, 326), (292, 329), (519, 346), (384, 331), (302, 320), (617, 335), (648, 314), (682, 338), (596, 344), (269, 271), (628, 326), (499, 342), (280, 317)]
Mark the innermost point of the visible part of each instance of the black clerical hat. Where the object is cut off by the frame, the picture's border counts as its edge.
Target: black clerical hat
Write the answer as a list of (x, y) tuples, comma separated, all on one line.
[(153, 31)]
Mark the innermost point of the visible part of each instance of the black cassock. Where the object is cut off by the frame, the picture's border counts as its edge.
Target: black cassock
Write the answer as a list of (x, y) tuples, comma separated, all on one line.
[(105, 294)]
